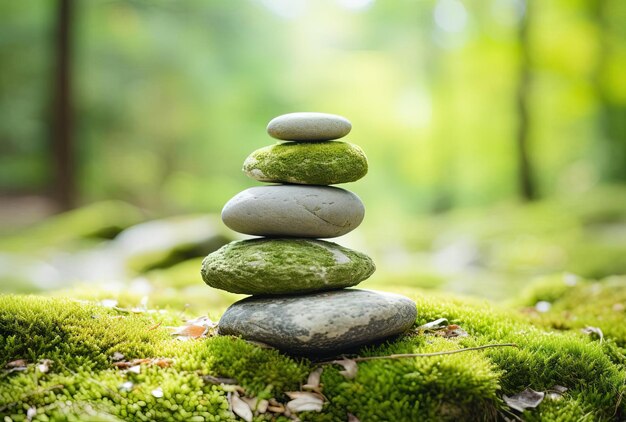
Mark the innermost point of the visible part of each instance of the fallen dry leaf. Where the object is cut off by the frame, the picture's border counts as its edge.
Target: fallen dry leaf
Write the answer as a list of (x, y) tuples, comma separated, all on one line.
[(304, 401), (527, 399), (240, 407), (275, 407), (452, 331), (350, 368), (193, 331), (352, 418), (313, 381), (134, 365), (433, 325), (196, 328), (162, 362), (17, 365)]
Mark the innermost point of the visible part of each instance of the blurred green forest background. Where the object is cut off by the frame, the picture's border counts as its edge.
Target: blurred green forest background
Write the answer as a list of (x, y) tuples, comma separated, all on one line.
[(495, 129)]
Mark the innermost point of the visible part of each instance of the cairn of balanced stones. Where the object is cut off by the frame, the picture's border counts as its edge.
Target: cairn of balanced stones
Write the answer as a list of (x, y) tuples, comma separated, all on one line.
[(300, 302)]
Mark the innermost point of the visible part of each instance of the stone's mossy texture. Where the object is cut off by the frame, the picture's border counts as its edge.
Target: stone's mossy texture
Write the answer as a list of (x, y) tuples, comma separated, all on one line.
[(308, 127), (282, 266), (290, 210), (320, 322), (319, 163)]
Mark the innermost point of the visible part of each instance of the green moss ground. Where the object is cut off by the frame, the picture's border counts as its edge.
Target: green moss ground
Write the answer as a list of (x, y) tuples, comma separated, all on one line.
[(81, 337)]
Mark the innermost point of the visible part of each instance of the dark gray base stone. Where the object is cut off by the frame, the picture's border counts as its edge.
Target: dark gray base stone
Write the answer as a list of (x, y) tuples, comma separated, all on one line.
[(320, 323)]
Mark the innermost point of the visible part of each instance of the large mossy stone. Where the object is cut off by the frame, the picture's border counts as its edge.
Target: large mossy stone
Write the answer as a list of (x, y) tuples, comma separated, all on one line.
[(293, 210), (284, 266), (317, 163), (320, 323)]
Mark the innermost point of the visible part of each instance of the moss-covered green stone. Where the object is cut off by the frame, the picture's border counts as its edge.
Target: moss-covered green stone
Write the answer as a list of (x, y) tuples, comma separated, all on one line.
[(284, 266), (311, 163)]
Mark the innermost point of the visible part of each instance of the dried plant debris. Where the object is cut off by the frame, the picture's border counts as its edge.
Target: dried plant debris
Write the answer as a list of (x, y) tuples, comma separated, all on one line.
[(200, 327), (239, 407), (135, 364), (305, 401), (20, 365), (350, 368), (313, 381), (352, 418), (17, 365), (593, 331), (441, 327), (433, 325), (452, 331), (527, 399)]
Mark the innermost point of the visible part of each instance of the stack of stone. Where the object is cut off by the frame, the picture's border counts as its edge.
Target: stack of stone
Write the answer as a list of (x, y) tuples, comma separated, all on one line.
[(300, 302)]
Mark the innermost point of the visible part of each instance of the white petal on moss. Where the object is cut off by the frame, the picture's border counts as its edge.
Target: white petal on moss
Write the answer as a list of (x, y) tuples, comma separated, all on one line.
[(305, 402), (313, 382), (157, 392), (350, 368), (240, 408)]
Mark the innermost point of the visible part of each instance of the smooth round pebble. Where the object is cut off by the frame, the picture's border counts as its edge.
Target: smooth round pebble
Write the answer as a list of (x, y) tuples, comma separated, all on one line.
[(284, 266), (292, 210), (308, 127), (321, 163), (322, 323)]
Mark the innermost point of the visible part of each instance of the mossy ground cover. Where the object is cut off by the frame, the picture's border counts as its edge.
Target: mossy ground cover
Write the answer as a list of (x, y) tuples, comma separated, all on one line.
[(81, 339), (66, 343)]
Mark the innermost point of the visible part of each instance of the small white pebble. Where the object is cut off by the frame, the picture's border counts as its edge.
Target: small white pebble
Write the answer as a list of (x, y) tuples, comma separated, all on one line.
[(570, 279), (543, 306)]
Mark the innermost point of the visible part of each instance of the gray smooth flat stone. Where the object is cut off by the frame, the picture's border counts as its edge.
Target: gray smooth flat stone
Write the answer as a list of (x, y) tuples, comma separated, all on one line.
[(308, 126), (321, 323), (298, 211), (284, 266)]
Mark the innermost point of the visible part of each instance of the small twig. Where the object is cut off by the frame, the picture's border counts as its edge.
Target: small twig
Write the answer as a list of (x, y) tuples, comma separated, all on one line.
[(423, 355), (155, 326)]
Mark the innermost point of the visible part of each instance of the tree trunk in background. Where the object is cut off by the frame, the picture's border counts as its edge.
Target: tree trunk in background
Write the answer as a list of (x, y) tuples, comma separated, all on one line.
[(612, 115), (63, 181), (525, 175)]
